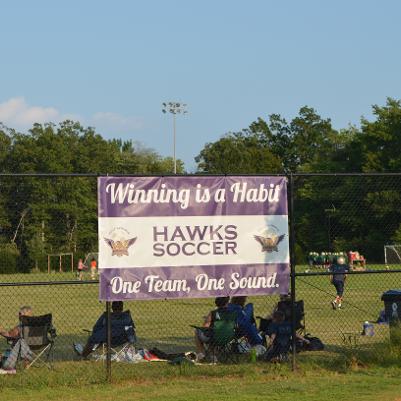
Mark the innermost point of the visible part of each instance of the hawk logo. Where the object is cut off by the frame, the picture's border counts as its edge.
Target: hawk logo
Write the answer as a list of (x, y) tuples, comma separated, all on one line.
[(270, 239), (120, 247)]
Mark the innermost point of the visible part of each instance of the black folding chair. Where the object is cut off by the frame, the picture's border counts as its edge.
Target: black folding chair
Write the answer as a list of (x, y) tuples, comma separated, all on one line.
[(286, 308), (123, 335), (39, 334)]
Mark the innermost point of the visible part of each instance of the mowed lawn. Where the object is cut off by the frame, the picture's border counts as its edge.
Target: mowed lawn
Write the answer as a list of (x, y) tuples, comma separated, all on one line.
[(80, 382), (166, 323)]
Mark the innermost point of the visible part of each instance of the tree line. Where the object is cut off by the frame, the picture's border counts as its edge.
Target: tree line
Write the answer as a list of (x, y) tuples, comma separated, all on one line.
[(42, 215)]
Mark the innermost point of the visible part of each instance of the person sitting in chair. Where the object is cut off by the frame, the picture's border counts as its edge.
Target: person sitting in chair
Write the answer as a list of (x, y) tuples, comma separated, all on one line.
[(204, 335), (122, 330), (13, 338), (15, 332), (245, 320), (280, 335)]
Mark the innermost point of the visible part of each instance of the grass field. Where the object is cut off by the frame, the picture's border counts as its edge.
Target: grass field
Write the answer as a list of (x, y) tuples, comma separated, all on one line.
[(358, 368), (318, 379), (165, 323)]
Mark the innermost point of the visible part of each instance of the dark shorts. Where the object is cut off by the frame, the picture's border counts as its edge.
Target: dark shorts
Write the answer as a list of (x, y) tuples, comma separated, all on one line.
[(339, 287)]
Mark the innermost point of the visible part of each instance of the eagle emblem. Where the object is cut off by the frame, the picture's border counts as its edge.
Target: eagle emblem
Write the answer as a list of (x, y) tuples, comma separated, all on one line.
[(270, 243), (120, 247)]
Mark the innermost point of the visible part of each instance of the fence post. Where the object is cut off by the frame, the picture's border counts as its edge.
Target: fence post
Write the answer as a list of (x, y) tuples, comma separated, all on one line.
[(292, 263), (108, 337)]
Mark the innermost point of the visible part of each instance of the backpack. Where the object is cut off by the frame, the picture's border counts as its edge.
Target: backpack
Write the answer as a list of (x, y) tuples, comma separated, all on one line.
[(315, 344)]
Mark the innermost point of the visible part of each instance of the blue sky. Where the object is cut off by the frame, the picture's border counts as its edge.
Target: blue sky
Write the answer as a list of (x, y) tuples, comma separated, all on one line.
[(111, 64)]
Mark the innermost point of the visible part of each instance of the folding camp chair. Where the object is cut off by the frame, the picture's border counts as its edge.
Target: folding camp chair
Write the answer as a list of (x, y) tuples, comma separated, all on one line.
[(224, 342), (286, 308), (39, 334), (123, 336)]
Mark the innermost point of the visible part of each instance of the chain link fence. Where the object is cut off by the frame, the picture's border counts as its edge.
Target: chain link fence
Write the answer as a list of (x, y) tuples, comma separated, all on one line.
[(48, 223), (358, 217)]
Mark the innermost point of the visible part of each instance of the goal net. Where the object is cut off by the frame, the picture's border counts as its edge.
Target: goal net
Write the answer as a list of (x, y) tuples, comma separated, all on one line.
[(89, 256), (60, 262), (392, 254)]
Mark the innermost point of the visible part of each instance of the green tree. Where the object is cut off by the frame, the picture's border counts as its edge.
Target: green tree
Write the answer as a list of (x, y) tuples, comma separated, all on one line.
[(237, 153)]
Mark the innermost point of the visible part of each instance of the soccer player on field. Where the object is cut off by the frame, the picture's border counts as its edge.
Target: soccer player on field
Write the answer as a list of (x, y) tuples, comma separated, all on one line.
[(339, 270)]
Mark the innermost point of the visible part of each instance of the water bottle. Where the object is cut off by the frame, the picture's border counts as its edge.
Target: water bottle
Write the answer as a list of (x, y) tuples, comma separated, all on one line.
[(368, 329), (252, 355)]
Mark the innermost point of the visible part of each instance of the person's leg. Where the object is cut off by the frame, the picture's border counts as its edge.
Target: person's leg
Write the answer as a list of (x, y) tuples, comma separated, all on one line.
[(201, 338), (87, 350), (200, 348), (340, 293), (334, 302), (339, 285)]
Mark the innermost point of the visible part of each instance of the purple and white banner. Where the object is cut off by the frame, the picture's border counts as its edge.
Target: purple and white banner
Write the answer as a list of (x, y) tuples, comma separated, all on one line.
[(175, 237)]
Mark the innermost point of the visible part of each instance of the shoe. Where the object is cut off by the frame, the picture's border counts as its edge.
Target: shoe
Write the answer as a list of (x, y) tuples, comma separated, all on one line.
[(78, 349), (339, 306), (213, 359), (334, 305), (8, 371)]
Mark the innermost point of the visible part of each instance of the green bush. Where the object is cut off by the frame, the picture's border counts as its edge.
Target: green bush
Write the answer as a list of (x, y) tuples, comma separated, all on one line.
[(9, 255), (299, 255)]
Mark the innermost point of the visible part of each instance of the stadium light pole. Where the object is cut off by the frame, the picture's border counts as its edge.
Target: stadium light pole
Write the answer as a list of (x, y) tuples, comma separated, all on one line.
[(174, 108), (329, 213)]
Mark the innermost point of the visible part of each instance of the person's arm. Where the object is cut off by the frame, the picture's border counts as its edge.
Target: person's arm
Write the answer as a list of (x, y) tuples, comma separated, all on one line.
[(272, 337), (299, 337), (11, 333), (208, 320)]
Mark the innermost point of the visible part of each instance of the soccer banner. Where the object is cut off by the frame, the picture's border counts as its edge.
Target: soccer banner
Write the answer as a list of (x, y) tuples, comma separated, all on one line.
[(193, 237)]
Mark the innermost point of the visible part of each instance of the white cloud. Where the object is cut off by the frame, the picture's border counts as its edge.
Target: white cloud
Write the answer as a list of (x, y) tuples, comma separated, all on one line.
[(17, 113), (108, 120)]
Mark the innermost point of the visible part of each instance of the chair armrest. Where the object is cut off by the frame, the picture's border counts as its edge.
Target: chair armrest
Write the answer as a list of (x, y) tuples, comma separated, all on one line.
[(52, 332)]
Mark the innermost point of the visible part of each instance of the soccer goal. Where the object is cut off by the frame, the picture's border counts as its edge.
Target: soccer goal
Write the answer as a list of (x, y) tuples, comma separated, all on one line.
[(89, 256), (392, 254), (60, 262)]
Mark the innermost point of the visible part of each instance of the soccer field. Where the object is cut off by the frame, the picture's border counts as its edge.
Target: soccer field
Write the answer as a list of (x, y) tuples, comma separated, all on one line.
[(166, 323)]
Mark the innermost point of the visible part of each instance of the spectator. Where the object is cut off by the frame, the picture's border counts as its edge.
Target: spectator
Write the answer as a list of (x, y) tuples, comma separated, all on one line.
[(19, 346), (280, 335), (16, 331), (120, 323), (245, 320), (204, 336)]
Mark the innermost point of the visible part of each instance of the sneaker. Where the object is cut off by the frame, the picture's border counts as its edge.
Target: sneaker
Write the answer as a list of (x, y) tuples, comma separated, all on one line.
[(334, 305), (8, 371), (78, 349), (213, 359)]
